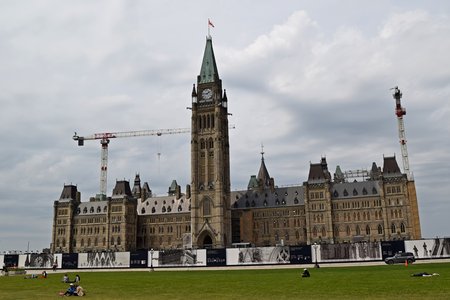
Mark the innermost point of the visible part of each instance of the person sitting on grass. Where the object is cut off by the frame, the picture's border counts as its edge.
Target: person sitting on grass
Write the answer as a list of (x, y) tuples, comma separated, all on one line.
[(306, 273), (65, 278), (71, 291), (80, 291)]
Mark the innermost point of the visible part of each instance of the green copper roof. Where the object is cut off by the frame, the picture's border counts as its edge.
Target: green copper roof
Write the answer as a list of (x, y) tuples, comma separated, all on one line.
[(208, 72)]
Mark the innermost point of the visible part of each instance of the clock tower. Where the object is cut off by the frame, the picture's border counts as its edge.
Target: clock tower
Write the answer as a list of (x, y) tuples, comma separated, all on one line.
[(210, 158)]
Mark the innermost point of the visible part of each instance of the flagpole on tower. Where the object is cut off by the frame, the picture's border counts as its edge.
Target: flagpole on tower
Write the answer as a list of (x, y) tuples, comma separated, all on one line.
[(210, 24)]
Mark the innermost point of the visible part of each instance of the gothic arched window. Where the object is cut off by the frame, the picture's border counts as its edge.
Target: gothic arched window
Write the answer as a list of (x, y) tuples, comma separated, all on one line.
[(402, 227), (393, 228)]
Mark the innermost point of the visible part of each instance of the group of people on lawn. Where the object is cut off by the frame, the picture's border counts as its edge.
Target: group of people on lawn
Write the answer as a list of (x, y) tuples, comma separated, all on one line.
[(74, 288)]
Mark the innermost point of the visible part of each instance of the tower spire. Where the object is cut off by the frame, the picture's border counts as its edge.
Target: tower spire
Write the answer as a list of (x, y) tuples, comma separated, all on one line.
[(208, 71), (263, 175)]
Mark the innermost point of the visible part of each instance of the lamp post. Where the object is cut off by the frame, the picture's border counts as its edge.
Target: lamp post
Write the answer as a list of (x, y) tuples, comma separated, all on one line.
[(316, 265), (151, 259)]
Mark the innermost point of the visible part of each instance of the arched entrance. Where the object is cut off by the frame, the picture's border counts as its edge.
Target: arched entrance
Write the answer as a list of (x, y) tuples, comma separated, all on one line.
[(207, 242)]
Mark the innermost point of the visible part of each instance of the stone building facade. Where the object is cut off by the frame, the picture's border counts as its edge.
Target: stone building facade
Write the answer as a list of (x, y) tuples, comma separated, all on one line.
[(323, 209)]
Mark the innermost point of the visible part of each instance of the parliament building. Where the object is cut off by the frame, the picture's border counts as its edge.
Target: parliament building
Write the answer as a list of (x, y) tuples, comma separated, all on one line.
[(380, 206)]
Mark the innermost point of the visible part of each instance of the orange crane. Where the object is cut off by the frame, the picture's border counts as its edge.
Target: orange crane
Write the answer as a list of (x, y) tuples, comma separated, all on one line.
[(104, 141)]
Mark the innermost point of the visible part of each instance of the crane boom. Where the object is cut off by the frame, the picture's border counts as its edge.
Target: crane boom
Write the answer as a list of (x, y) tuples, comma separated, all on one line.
[(122, 134), (400, 112)]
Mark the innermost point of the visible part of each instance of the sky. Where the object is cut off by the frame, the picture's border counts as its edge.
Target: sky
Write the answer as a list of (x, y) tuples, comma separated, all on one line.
[(305, 79)]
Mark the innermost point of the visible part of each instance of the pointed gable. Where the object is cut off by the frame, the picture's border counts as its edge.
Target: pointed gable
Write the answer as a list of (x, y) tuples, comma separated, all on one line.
[(319, 172), (390, 166), (122, 188), (315, 173), (173, 188), (69, 192), (208, 72), (136, 191), (146, 190), (263, 174)]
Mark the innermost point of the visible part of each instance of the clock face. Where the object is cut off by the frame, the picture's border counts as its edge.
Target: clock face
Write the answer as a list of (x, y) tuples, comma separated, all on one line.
[(207, 94)]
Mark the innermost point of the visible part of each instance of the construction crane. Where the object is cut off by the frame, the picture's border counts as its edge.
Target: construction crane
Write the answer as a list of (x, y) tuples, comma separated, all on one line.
[(400, 112), (104, 141)]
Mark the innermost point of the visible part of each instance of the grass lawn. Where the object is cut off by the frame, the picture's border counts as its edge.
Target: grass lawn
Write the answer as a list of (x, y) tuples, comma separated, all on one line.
[(368, 282)]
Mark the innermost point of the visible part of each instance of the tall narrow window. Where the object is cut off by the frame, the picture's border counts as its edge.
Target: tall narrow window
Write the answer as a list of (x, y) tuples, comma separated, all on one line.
[(206, 207), (393, 228), (380, 229)]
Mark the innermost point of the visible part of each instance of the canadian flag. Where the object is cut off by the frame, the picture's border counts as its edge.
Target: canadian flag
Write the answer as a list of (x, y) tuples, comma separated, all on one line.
[(210, 23)]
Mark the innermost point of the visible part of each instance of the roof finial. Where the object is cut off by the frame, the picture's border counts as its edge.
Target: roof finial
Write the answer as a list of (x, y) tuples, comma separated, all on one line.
[(262, 151)]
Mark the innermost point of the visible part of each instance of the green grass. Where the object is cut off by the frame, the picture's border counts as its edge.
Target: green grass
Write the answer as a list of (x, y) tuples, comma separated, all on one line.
[(368, 282)]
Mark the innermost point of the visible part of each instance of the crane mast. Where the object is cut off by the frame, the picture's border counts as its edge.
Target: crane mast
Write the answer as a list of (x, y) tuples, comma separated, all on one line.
[(400, 112)]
